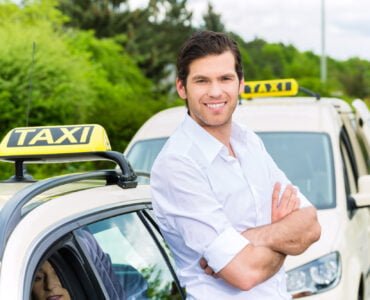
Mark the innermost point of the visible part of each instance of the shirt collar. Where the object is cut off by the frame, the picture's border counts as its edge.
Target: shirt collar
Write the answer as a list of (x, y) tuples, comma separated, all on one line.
[(238, 133), (208, 144)]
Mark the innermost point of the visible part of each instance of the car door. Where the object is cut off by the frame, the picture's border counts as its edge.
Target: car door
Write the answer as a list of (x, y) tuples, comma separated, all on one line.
[(358, 230), (115, 255)]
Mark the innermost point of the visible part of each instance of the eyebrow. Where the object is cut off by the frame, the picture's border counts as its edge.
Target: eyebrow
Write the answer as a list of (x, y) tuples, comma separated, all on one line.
[(228, 75), (197, 77)]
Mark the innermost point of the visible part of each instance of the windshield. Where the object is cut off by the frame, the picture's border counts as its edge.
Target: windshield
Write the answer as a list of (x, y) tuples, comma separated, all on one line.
[(306, 159)]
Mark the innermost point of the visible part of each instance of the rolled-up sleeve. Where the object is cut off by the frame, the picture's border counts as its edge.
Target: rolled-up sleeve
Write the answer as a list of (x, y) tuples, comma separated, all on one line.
[(224, 248), (190, 214)]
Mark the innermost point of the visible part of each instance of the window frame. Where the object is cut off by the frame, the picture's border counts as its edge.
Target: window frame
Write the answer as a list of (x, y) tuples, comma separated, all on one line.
[(57, 239)]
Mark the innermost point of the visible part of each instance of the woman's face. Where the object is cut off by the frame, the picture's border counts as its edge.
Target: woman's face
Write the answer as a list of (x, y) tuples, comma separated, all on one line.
[(47, 285)]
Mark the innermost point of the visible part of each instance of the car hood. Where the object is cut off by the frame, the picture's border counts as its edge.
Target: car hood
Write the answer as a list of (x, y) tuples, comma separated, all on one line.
[(330, 227)]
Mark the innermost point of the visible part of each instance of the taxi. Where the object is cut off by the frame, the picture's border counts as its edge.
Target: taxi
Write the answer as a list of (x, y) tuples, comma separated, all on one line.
[(81, 236), (323, 146)]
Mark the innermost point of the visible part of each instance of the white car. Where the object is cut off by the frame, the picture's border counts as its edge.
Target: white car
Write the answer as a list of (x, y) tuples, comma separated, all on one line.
[(94, 228), (322, 147)]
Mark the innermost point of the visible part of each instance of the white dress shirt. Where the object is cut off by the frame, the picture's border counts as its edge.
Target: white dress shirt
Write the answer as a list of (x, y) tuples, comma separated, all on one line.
[(203, 198)]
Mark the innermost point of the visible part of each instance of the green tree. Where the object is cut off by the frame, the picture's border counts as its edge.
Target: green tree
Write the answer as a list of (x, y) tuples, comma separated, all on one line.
[(60, 90), (151, 34), (105, 17), (73, 78), (355, 77), (154, 38), (212, 20)]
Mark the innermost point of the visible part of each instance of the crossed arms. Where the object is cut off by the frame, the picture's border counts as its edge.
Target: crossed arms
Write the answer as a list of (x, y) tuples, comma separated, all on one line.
[(291, 232)]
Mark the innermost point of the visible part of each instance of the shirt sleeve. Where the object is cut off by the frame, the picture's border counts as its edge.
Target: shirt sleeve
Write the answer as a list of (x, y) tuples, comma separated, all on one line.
[(277, 175), (186, 206)]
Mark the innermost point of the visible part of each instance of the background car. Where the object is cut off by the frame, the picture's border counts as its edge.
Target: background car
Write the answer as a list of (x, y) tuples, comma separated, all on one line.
[(322, 146), (95, 228)]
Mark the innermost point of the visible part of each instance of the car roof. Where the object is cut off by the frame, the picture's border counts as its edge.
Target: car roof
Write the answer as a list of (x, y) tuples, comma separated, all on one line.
[(301, 114), (164, 123), (264, 114)]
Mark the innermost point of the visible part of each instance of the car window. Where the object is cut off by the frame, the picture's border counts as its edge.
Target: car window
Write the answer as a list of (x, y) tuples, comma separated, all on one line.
[(306, 159), (143, 153), (349, 164), (148, 214), (137, 263), (74, 275)]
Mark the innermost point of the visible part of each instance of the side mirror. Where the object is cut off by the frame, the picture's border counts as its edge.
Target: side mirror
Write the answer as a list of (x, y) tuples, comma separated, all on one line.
[(362, 198)]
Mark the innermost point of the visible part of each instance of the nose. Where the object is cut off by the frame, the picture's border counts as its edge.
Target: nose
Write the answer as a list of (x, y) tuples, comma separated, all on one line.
[(52, 282), (214, 90)]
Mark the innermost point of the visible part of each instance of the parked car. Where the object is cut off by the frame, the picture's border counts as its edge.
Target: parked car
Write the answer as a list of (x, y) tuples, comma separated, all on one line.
[(95, 229), (323, 147)]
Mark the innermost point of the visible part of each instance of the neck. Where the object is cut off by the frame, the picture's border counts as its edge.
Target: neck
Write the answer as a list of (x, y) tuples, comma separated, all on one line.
[(222, 134)]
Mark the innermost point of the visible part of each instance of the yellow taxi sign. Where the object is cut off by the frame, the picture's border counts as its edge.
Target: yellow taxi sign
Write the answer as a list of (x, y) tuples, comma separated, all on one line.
[(270, 88), (53, 141)]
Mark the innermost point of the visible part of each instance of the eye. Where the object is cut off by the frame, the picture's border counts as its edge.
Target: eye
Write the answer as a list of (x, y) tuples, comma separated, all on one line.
[(39, 277), (227, 78), (200, 79)]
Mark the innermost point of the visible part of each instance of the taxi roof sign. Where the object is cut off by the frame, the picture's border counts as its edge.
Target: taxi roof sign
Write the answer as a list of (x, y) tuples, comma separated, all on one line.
[(28, 142), (270, 88), (63, 144)]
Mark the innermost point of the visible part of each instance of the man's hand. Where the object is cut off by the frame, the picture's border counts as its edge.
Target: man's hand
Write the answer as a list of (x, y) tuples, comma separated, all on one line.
[(292, 230), (207, 269), (288, 202)]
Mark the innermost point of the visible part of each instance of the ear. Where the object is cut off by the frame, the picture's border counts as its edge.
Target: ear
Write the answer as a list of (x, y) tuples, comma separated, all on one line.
[(241, 86), (181, 89)]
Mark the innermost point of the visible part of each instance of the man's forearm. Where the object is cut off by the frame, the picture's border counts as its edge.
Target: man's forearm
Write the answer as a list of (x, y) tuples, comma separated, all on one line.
[(252, 266), (292, 235)]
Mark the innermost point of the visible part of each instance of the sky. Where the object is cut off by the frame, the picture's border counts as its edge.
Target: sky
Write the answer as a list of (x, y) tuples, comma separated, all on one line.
[(296, 22)]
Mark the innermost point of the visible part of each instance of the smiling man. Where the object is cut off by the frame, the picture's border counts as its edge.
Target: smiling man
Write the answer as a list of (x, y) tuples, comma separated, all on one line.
[(217, 192)]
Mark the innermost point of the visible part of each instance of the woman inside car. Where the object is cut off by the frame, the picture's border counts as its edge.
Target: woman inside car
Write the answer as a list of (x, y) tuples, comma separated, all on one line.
[(47, 286)]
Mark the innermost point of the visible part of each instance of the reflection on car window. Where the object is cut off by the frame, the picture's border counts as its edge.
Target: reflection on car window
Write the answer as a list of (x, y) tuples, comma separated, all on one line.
[(306, 159), (135, 258)]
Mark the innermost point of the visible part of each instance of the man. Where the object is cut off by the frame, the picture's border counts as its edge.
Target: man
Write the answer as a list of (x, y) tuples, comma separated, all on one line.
[(216, 191)]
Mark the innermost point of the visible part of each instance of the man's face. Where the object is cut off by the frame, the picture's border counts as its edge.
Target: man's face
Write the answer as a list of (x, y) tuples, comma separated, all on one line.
[(211, 90)]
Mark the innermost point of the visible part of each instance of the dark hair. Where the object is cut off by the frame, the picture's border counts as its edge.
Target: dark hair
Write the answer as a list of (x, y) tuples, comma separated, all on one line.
[(203, 43)]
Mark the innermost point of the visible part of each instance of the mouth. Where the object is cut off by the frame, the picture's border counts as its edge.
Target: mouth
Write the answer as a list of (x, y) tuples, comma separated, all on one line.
[(216, 106), (56, 297)]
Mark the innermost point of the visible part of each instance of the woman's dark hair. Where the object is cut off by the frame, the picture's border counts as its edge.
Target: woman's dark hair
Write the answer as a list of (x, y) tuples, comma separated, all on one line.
[(203, 43)]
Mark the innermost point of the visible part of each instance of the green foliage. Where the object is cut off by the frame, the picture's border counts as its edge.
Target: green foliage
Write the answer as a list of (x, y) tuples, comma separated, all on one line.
[(124, 97), (355, 77), (158, 287), (212, 20), (152, 33), (105, 17), (69, 77), (155, 35), (55, 84), (33, 12), (84, 61), (346, 79)]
